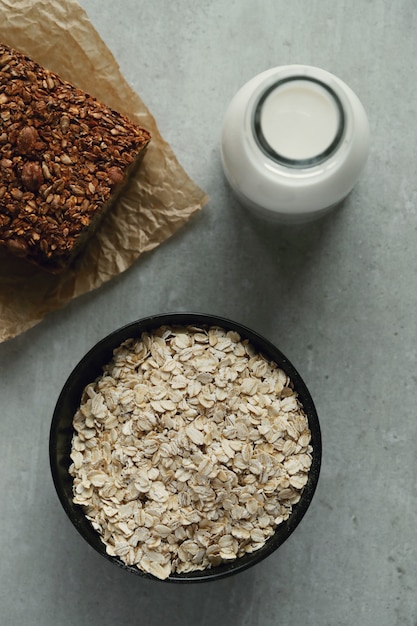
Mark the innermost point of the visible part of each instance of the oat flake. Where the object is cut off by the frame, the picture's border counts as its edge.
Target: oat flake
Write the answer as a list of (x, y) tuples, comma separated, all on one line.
[(189, 450)]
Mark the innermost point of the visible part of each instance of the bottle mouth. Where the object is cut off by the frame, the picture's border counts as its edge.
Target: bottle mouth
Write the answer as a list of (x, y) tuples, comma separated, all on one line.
[(298, 122)]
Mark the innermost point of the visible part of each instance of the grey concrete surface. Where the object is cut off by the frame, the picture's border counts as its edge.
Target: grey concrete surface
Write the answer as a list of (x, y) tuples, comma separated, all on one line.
[(337, 296)]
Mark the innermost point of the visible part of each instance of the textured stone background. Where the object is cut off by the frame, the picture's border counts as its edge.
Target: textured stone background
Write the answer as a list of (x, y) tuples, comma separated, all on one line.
[(338, 297)]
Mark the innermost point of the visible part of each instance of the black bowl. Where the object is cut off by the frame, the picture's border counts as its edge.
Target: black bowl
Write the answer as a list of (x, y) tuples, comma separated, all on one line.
[(90, 367)]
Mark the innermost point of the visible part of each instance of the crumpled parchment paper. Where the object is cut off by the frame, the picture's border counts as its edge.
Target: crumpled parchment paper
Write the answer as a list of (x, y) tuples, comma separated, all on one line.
[(156, 204)]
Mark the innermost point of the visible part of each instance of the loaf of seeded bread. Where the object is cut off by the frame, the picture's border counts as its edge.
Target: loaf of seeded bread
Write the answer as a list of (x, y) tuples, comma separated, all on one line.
[(64, 159)]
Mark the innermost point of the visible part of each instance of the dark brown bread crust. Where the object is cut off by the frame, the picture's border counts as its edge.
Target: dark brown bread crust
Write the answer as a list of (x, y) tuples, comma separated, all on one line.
[(64, 157)]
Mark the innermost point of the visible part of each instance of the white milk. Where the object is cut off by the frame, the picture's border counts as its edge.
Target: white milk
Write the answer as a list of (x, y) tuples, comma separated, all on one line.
[(294, 141), (299, 119)]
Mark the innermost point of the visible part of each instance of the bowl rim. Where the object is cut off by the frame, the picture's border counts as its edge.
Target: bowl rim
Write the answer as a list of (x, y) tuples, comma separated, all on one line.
[(93, 361)]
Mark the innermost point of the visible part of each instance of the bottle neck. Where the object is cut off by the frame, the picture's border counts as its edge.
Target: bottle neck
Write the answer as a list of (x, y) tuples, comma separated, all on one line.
[(298, 122)]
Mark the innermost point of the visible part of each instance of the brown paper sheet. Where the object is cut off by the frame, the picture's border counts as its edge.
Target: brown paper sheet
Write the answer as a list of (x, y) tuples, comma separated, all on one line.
[(159, 201)]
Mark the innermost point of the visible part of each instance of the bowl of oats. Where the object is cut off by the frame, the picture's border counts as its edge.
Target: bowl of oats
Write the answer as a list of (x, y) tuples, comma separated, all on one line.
[(185, 447)]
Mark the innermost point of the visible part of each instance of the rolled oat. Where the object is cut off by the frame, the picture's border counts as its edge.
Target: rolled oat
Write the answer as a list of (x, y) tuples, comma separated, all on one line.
[(189, 450)]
